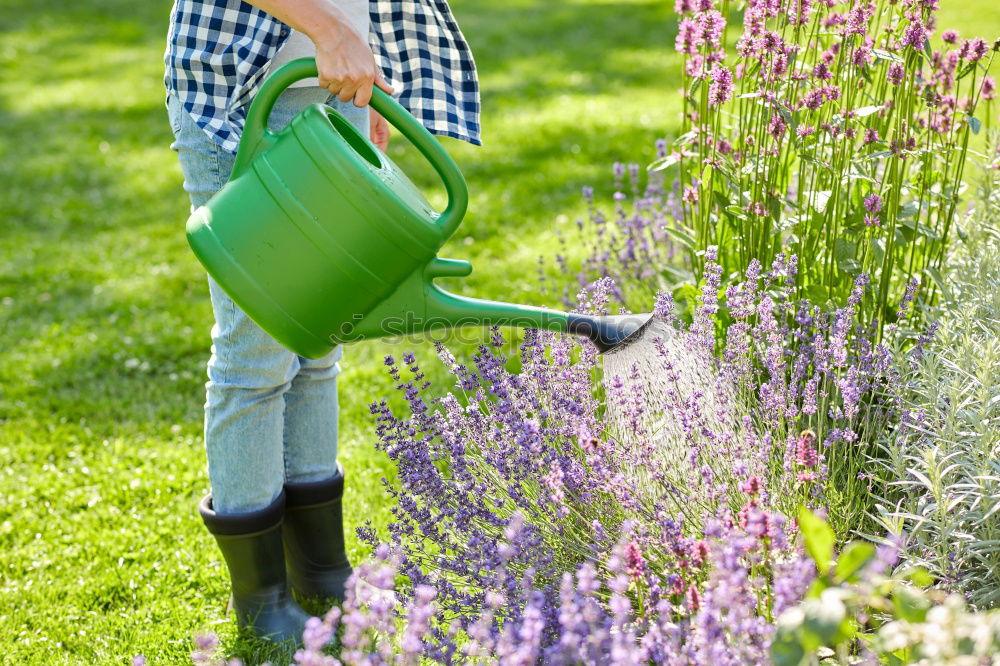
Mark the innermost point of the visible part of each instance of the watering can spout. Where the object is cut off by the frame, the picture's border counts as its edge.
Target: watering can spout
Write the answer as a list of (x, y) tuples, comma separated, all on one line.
[(609, 333), (420, 306)]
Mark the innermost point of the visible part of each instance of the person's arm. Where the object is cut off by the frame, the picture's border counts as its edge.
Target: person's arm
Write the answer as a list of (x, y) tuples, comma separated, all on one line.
[(343, 58)]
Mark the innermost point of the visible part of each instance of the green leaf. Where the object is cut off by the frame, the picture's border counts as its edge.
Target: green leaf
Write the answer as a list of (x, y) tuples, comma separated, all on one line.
[(816, 294), (706, 175), (866, 111), (877, 155), (885, 55), (854, 558), (919, 577), (677, 275), (907, 210), (736, 212), (694, 89), (819, 199), (720, 199), (909, 604), (974, 124), (685, 236), (812, 160), (927, 232), (878, 250), (845, 253), (686, 138), (686, 293), (727, 173), (664, 162), (787, 648), (849, 266), (816, 588), (897, 658), (904, 235), (934, 275), (965, 71), (785, 113), (818, 537)]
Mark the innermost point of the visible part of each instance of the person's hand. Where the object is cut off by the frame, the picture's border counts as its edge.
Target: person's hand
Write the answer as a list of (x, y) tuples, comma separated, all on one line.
[(345, 63), (379, 130)]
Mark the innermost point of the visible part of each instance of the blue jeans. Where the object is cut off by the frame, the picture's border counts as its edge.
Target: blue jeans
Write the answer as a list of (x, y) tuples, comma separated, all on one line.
[(270, 415)]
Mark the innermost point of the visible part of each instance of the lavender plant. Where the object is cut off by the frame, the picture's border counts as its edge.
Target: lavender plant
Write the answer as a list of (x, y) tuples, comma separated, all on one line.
[(664, 503)]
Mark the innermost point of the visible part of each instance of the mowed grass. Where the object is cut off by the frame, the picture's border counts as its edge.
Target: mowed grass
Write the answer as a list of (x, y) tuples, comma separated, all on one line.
[(105, 314)]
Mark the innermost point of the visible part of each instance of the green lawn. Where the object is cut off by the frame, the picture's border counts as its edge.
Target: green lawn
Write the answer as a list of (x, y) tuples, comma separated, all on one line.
[(105, 315)]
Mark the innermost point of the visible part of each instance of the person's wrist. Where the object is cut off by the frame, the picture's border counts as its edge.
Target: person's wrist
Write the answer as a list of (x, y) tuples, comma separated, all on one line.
[(331, 30)]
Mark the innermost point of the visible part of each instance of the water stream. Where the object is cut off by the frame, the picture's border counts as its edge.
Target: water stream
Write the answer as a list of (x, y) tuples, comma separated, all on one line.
[(659, 388)]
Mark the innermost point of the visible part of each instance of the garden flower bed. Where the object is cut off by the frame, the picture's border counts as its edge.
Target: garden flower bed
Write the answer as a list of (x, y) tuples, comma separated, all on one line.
[(798, 460)]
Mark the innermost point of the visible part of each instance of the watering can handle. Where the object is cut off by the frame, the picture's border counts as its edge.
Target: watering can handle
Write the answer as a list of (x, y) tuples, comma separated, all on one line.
[(257, 137)]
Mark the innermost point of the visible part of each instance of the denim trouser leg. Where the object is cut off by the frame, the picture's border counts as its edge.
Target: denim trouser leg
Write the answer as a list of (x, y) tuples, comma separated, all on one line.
[(270, 415)]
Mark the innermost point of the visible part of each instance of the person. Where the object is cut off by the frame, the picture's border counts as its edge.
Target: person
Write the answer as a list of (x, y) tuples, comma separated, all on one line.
[(271, 416)]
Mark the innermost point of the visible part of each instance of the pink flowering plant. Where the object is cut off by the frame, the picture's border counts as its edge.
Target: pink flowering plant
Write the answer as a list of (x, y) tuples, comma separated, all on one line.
[(835, 131)]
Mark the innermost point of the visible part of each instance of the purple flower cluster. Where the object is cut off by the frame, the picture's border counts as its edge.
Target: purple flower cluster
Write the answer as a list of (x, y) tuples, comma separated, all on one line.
[(721, 88), (597, 615), (631, 245), (536, 522)]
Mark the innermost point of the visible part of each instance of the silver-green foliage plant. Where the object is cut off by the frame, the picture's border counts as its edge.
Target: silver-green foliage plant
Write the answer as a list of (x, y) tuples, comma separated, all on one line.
[(944, 462)]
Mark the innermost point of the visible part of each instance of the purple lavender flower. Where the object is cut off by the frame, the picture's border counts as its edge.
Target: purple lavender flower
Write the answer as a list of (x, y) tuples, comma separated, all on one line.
[(974, 50), (911, 292), (799, 11), (822, 71), (688, 39), (858, 19), (777, 126), (814, 98), (988, 88)]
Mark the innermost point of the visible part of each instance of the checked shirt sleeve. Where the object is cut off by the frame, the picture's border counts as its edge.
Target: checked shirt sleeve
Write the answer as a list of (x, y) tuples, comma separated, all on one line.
[(423, 53)]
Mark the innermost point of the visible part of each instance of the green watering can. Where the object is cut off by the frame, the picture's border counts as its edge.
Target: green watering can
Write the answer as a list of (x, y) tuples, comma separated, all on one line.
[(322, 240)]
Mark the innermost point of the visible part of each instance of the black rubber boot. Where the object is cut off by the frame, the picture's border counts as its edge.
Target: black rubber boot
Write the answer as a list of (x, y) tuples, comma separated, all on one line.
[(251, 546), (314, 538)]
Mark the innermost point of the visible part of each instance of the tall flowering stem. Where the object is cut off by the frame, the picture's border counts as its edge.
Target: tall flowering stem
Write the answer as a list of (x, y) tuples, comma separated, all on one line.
[(822, 106)]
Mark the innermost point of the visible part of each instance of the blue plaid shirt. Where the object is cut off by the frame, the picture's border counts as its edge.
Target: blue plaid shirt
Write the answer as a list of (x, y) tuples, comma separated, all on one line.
[(218, 52)]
